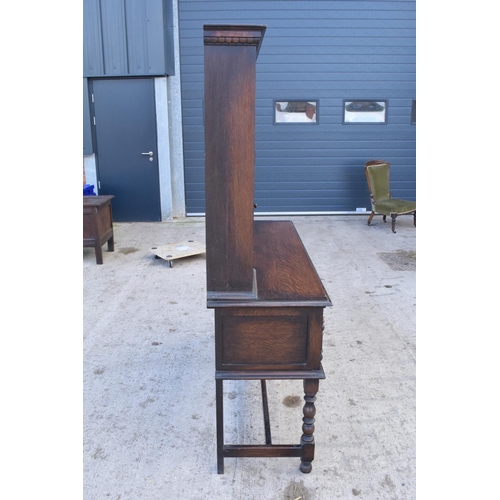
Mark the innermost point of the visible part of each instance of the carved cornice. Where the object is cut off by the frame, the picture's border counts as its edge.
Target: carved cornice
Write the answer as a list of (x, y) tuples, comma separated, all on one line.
[(230, 40), (233, 35)]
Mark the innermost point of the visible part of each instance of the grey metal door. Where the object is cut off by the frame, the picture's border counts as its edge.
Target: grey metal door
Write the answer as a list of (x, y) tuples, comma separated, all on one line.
[(126, 147)]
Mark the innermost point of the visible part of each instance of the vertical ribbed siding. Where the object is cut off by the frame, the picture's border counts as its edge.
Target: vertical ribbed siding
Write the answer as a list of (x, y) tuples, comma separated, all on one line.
[(114, 38), (93, 63), (328, 51), (127, 38)]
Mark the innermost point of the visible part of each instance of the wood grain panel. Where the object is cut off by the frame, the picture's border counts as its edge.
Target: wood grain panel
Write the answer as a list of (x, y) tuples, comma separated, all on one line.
[(284, 269), (229, 166), (264, 340)]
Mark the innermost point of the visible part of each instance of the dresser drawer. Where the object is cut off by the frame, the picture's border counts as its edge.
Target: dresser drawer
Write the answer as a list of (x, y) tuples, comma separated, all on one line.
[(268, 338)]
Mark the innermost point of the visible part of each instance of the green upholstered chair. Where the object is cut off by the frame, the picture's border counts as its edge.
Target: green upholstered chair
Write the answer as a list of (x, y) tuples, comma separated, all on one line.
[(377, 175)]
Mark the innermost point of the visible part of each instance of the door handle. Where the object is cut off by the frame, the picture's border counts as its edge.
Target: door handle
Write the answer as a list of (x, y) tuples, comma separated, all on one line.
[(148, 154)]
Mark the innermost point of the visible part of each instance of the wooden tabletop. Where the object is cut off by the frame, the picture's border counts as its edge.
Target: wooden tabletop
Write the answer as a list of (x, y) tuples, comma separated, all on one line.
[(285, 275), (95, 201), (283, 267)]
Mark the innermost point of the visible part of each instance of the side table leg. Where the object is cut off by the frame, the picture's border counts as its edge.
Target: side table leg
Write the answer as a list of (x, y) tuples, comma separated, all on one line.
[(98, 252), (311, 387), (219, 402), (111, 244)]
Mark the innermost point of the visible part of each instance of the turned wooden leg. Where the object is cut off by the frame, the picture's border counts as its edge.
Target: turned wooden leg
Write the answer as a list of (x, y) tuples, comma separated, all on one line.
[(307, 441), (393, 217), (371, 217), (220, 425)]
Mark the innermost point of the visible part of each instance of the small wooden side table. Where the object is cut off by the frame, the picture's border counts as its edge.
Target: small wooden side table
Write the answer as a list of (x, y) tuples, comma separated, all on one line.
[(98, 224)]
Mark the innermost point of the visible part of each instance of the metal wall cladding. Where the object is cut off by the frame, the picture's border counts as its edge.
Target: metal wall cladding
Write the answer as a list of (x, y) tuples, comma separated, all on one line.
[(127, 38), (87, 132), (312, 50)]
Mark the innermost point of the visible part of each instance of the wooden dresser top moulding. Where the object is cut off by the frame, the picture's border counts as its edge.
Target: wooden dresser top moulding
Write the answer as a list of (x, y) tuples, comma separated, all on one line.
[(229, 34)]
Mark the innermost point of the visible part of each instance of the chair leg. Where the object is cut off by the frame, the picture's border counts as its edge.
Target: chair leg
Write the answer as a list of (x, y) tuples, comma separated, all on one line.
[(371, 217), (415, 218), (384, 217), (393, 217)]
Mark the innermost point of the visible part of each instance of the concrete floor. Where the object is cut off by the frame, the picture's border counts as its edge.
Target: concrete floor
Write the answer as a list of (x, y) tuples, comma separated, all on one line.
[(149, 390)]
